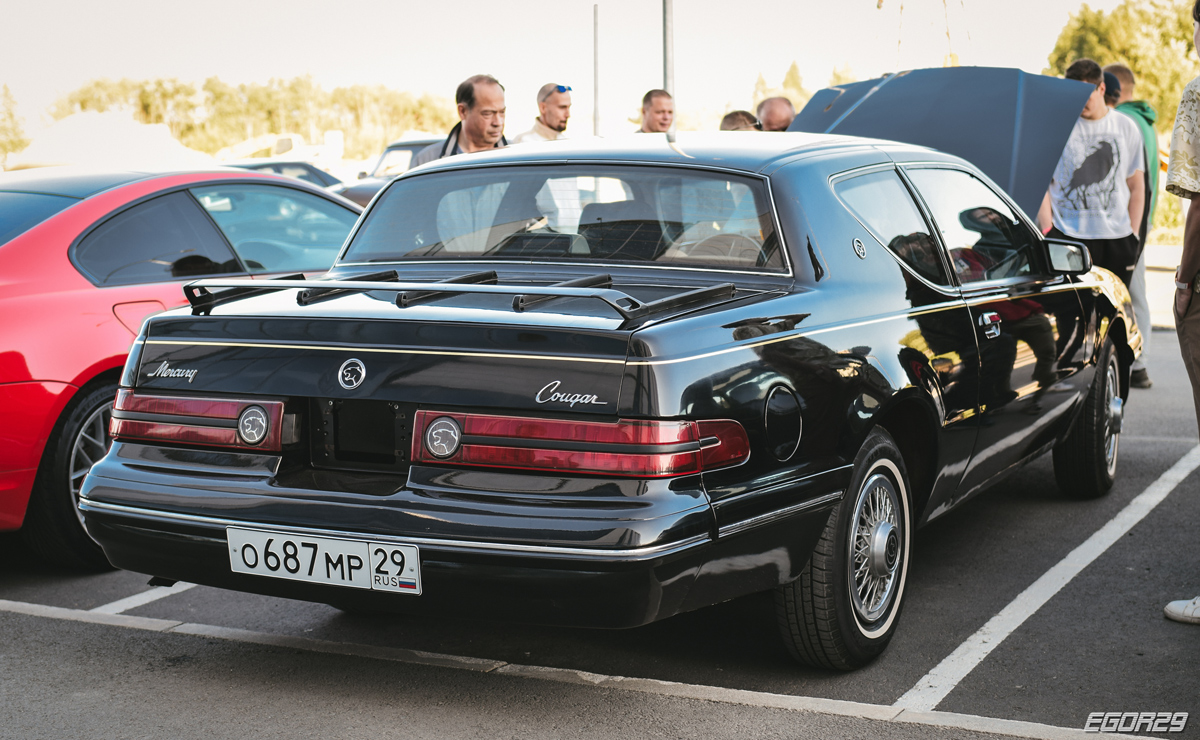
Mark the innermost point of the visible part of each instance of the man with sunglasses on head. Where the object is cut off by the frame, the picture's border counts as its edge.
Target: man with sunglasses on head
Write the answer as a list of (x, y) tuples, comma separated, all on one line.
[(554, 109)]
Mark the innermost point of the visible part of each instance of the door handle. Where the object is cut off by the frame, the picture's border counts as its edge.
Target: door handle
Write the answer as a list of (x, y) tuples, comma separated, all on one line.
[(989, 321)]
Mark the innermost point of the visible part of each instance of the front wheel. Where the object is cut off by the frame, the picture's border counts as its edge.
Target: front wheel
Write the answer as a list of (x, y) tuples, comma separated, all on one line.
[(842, 611), (1085, 462), (53, 527)]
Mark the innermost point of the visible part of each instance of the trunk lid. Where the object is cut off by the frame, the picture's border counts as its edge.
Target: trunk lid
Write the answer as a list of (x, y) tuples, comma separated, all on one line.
[(471, 352)]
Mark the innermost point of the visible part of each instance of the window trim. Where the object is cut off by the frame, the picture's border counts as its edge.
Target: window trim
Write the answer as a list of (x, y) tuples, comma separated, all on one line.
[(980, 286), (226, 180), (246, 268), (95, 280), (952, 288), (789, 273)]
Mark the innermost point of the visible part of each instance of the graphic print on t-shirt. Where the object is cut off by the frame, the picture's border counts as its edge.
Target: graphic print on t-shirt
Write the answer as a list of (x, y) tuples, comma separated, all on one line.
[(1089, 173)]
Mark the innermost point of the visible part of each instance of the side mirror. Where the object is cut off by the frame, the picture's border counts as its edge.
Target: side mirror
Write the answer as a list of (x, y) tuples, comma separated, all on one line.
[(362, 175), (1067, 257)]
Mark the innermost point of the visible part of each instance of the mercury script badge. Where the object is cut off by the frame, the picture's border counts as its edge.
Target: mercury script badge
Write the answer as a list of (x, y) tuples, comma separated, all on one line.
[(166, 371), (443, 437), (352, 373), (253, 425)]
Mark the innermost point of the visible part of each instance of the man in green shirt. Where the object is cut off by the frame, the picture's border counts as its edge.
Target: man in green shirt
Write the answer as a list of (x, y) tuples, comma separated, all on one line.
[(1144, 116)]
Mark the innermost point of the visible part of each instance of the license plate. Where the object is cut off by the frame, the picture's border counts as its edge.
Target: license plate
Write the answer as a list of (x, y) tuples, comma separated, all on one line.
[(380, 566)]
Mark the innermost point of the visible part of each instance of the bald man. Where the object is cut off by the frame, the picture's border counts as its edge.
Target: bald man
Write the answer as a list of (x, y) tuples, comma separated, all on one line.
[(776, 114)]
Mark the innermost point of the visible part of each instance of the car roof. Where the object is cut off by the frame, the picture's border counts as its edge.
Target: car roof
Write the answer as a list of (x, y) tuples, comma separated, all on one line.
[(406, 143), (72, 182), (751, 151)]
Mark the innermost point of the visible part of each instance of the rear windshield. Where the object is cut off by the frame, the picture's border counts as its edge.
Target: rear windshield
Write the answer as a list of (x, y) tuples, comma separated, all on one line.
[(20, 212), (575, 213)]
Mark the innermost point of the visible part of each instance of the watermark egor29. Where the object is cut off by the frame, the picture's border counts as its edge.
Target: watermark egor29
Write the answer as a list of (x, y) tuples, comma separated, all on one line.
[(1136, 722)]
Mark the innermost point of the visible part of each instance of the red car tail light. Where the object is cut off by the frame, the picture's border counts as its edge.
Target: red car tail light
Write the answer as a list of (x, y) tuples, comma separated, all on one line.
[(211, 422), (641, 449)]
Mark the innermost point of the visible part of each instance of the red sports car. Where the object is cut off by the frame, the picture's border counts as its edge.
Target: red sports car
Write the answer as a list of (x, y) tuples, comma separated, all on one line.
[(85, 256)]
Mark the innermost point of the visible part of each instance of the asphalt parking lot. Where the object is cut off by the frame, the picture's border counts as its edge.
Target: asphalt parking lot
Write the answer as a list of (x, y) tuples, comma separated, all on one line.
[(1026, 613)]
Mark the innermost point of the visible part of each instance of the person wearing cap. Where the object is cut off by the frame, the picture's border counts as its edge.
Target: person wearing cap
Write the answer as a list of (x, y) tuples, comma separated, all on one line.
[(1120, 77), (1098, 190), (554, 109)]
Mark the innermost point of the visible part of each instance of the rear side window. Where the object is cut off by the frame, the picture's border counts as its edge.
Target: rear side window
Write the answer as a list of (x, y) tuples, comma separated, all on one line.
[(277, 229), (162, 240), (882, 202), (985, 238), (20, 212)]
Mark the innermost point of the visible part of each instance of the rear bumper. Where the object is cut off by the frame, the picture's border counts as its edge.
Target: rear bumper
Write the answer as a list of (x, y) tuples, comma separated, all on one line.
[(576, 552), (541, 585)]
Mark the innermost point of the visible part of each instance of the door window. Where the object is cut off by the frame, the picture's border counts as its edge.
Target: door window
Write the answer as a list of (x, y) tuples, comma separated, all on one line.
[(161, 240), (278, 229), (985, 238), (882, 202)]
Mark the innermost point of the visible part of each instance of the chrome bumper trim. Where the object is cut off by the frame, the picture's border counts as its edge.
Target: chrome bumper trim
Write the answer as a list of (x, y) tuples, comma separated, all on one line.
[(635, 553), (772, 516)]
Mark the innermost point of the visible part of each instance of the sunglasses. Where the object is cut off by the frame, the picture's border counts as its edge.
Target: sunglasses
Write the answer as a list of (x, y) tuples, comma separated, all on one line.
[(562, 88)]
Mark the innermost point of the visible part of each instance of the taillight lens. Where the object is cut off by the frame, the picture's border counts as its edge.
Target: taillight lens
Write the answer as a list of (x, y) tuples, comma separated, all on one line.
[(210, 422), (642, 449)]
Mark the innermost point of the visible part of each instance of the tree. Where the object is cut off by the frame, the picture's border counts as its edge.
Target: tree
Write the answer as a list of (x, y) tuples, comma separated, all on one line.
[(219, 115), (842, 75), (1151, 37), (792, 88), (12, 136)]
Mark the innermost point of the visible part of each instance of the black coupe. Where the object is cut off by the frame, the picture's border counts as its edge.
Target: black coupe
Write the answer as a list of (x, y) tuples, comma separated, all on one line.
[(603, 383)]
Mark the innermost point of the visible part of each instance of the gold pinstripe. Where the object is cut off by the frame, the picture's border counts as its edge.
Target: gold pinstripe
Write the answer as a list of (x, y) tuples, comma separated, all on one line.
[(383, 350), (633, 363)]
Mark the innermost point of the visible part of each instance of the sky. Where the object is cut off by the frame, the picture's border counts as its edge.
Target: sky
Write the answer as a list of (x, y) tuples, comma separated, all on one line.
[(51, 47)]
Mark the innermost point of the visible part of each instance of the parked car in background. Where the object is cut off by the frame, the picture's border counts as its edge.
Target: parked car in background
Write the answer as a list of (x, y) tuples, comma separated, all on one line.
[(395, 160), (305, 171), (85, 256), (601, 383)]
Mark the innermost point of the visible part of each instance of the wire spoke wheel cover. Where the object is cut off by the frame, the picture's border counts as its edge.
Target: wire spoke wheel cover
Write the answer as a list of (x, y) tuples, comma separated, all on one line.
[(843, 609), (1085, 460), (875, 548), (1113, 410)]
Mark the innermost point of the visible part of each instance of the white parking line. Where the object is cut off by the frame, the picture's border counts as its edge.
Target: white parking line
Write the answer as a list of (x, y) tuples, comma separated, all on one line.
[(816, 705), (145, 597), (939, 682)]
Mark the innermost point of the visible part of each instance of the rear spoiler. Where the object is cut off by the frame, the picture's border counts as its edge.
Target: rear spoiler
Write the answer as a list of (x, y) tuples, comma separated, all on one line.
[(597, 287)]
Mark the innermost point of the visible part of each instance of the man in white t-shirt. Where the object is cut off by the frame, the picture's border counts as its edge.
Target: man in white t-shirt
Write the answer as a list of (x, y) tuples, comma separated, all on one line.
[(1098, 191)]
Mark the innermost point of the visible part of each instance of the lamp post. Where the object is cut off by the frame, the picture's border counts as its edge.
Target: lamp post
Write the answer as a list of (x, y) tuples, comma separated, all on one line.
[(668, 48), (596, 70)]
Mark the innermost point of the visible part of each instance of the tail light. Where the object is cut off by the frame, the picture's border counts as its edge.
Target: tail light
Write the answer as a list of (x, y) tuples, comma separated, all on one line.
[(211, 422), (642, 449)]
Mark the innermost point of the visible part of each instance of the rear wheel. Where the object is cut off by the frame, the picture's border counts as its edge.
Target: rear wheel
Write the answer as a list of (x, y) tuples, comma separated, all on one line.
[(53, 526), (1085, 463), (842, 611)]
